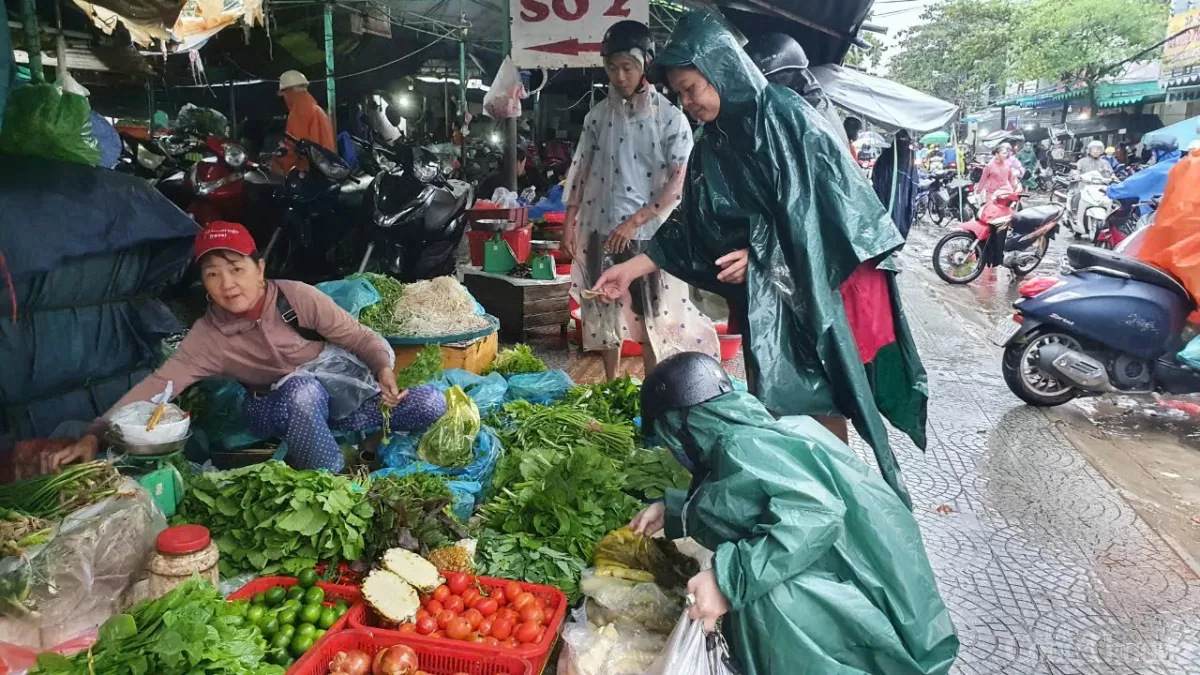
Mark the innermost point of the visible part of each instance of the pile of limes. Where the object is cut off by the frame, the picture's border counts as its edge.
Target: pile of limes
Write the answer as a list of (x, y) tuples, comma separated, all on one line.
[(292, 619)]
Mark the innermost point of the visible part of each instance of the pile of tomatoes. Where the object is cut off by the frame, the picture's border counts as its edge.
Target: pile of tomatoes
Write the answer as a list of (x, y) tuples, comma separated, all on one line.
[(462, 609)]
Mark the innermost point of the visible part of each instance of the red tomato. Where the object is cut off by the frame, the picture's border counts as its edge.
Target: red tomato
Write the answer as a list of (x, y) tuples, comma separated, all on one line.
[(499, 596), (522, 600), (458, 629), (458, 582), (485, 626), (510, 642), (471, 596), (478, 639), (444, 617), (508, 613), (533, 614), (502, 629), (426, 625), (473, 617), (437, 634), (487, 606), (434, 607), (541, 634), (454, 603), (527, 632), (408, 627), (441, 593), (422, 613), (512, 589), (491, 641), (424, 598)]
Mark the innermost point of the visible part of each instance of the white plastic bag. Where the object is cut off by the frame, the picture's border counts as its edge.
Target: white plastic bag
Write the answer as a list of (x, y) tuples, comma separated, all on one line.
[(503, 98), (348, 381), (690, 650)]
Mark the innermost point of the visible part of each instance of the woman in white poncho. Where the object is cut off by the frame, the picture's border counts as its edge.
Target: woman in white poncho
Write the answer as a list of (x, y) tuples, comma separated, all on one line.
[(626, 179)]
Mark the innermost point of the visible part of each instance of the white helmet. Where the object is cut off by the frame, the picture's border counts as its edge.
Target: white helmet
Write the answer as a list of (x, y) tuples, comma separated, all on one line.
[(1094, 146), (292, 78)]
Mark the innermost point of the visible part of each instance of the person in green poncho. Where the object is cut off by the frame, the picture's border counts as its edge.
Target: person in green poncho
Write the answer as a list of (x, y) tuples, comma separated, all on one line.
[(1028, 159), (777, 218), (818, 567)]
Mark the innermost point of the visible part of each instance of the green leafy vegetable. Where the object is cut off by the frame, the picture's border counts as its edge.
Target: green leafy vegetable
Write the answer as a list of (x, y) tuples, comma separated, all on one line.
[(514, 361), (449, 440), (425, 367), (650, 472), (380, 316), (411, 513), (526, 558), (270, 518), (522, 426), (56, 495), (190, 630), (618, 401)]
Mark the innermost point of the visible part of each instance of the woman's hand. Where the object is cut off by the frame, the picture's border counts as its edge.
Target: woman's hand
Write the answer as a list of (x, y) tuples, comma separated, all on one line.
[(567, 245), (614, 283), (650, 520), (83, 450), (710, 604), (389, 394), (733, 266), (620, 237)]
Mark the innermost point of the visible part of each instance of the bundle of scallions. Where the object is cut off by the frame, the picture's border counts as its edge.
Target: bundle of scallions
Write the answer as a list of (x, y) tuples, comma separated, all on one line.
[(54, 496)]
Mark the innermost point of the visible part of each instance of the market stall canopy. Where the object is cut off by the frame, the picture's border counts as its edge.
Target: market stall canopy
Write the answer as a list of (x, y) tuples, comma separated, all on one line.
[(825, 29), (172, 22), (935, 138), (1184, 132), (884, 102)]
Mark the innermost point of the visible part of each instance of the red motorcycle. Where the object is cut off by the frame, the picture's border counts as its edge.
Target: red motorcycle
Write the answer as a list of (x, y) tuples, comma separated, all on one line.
[(218, 183), (1001, 236)]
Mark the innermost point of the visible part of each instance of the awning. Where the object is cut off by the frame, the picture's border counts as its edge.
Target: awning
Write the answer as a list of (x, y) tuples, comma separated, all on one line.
[(1115, 95), (884, 102)]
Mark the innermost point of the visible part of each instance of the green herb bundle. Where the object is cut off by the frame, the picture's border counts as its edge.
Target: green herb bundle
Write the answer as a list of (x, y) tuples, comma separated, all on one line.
[(190, 630), (522, 426), (425, 367), (56, 495), (649, 473), (411, 513), (618, 401), (380, 316), (517, 360), (526, 558), (270, 518), (19, 532)]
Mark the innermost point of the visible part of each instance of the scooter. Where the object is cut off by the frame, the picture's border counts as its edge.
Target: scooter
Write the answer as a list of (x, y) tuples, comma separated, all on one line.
[(1088, 205), (218, 184), (1125, 220), (1114, 324), (1000, 236), (418, 216)]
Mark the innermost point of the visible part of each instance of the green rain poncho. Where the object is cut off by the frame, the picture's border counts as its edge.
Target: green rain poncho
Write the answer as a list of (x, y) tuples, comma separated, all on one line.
[(769, 175), (821, 563)]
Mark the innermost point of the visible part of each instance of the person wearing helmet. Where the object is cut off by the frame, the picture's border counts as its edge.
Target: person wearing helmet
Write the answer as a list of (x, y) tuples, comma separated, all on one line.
[(818, 567), (625, 180), (782, 61), (782, 223), (1110, 156), (306, 120), (1135, 192), (1094, 161)]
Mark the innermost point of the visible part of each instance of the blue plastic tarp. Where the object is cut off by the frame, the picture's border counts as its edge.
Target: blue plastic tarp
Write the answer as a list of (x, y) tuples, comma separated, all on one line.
[(352, 295), (1184, 132), (400, 457)]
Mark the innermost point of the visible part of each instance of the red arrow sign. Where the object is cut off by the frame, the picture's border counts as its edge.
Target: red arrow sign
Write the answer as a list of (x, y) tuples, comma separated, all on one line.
[(572, 47)]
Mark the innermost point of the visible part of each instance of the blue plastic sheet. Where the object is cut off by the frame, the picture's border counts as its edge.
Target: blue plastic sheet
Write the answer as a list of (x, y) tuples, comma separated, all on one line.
[(552, 203), (488, 392), (464, 492), (400, 456), (1191, 353), (543, 388), (352, 295)]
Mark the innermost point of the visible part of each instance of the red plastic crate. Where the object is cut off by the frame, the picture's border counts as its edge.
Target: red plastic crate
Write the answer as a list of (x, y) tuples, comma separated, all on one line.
[(520, 240), (362, 617), (439, 657), (350, 594)]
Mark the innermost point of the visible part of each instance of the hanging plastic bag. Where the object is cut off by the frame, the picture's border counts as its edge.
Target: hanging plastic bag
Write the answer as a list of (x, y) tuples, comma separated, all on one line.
[(503, 99), (448, 442), (691, 650), (348, 380), (42, 120), (352, 295)]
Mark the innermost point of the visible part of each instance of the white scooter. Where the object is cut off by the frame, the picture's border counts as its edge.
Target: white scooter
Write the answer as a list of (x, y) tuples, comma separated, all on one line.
[(1088, 203)]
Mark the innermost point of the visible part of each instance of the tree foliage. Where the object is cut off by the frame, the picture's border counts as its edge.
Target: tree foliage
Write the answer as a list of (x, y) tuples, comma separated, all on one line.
[(958, 51), (869, 58)]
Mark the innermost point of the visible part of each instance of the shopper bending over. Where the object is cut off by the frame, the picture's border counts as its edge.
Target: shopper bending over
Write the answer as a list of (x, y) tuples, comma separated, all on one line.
[(818, 565), (320, 372)]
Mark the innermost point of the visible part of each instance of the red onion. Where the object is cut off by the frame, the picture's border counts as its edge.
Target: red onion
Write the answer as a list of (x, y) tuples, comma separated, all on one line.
[(353, 662), (398, 660)]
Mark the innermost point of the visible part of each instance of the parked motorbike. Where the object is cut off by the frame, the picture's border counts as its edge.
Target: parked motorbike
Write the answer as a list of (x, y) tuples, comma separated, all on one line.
[(1000, 236), (943, 196), (418, 216), (1126, 219), (1087, 201), (219, 186), (1114, 324)]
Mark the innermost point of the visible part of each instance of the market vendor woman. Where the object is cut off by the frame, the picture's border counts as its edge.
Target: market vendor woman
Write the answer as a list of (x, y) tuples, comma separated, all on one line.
[(322, 371), (779, 220)]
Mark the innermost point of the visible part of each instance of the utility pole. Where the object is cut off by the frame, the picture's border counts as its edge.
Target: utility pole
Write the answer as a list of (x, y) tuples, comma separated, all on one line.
[(462, 89), (510, 125), (33, 44), (330, 87)]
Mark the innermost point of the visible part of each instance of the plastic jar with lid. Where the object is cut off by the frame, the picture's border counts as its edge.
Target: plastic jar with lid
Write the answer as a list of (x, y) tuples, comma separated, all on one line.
[(180, 552)]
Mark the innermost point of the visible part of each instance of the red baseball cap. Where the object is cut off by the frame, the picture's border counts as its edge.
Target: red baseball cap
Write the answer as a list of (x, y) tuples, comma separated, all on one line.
[(223, 236)]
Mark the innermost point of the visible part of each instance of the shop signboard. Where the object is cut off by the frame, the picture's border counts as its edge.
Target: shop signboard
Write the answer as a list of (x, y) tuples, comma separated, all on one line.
[(1182, 50), (567, 33)]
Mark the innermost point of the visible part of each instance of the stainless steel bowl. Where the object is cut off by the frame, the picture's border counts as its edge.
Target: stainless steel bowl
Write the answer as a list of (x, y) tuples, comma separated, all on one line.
[(544, 245), (490, 225), (146, 449)]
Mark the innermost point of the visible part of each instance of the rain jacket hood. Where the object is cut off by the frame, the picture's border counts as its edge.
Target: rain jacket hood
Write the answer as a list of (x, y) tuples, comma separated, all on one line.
[(821, 562), (769, 174)]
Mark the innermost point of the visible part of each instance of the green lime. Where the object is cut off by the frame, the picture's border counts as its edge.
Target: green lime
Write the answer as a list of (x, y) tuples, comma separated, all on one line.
[(279, 655), (299, 645), (292, 604), (309, 614), (275, 595), (259, 599), (307, 578), (235, 620), (305, 630), (238, 608), (286, 629), (270, 627), (296, 593), (319, 634), (287, 617), (314, 596), (329, 616), (280, 640), (255, 614)]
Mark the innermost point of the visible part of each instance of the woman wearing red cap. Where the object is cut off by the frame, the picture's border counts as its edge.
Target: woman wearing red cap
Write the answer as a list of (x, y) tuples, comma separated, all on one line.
[(308, 366)]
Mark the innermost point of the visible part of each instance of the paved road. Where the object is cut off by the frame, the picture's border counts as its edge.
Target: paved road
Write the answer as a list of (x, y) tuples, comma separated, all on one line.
[(1045, 566)]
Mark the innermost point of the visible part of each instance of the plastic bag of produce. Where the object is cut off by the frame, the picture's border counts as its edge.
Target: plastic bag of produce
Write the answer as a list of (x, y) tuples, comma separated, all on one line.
[(400, 457), (448, 442), (546, 387), (691, 650), (600, 647), (41, 120), (640, 604)]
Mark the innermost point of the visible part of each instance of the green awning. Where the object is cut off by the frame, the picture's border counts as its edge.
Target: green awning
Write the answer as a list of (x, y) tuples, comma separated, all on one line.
[(1115, 95)]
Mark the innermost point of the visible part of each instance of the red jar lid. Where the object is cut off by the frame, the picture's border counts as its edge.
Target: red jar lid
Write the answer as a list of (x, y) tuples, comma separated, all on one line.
[(182, 539)]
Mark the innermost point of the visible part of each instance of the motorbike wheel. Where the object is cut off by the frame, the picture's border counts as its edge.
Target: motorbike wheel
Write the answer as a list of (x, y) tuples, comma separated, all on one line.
[(921, 209), (937, 214), (1026, 380), (953, 252), (1022, 270)]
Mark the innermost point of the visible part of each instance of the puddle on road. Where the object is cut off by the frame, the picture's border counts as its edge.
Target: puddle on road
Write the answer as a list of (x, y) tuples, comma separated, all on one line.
[(1135, 416)]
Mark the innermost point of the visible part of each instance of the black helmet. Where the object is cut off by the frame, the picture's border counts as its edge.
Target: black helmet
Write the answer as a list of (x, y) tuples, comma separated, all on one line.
[(1164, 144), (775, 53), (681, 381), (624, 36)]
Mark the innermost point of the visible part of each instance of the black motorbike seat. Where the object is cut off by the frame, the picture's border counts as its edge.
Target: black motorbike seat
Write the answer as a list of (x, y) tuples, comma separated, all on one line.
[(1083, 257), (1028, 220)]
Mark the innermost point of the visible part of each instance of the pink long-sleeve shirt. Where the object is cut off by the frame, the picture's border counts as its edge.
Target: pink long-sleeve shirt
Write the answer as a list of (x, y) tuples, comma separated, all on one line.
[(258, 352), (997, 175)]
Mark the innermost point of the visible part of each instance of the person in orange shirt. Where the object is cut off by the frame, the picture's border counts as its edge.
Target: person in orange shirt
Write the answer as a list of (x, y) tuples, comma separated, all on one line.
[(306, 120)]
